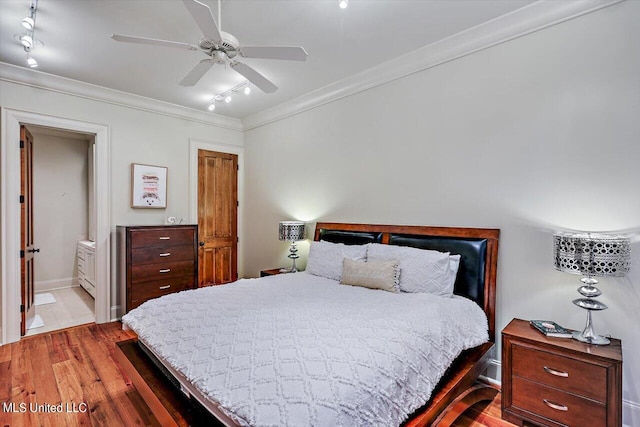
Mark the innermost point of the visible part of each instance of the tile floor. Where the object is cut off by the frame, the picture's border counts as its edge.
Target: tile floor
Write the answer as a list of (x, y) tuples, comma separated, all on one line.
[(73, 306)]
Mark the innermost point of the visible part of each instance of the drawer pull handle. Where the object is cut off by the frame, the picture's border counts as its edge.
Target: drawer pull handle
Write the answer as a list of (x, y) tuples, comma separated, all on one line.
[(165, 254), (164, 238), (555, 406), (556, 373), (165, 287), (165, 270)]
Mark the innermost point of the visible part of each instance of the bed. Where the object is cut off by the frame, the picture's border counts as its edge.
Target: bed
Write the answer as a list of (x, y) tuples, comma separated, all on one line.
[(326, 354)]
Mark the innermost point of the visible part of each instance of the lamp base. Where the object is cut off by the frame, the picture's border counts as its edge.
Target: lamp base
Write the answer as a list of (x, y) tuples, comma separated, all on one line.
[(588, 334), (597, 339)]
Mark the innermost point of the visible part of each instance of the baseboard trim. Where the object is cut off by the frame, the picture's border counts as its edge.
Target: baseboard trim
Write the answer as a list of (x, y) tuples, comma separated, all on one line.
[(52, 285), (114, 313), (630, 413)]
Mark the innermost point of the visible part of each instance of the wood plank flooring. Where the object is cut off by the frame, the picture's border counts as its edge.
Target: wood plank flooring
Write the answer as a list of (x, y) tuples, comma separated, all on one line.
[(74, 370)]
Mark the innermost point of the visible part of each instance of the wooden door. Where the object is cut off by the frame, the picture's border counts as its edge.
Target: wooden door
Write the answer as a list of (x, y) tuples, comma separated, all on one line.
[(217, 218), (27, 250)]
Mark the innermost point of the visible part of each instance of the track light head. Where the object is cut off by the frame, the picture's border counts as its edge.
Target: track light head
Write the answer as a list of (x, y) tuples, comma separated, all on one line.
[(27, 41), (247, 90), (212, 106), (343, 4), (28, 23)]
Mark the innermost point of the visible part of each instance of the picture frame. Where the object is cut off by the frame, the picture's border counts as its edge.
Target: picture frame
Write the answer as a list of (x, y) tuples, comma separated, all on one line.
[(148, 186)]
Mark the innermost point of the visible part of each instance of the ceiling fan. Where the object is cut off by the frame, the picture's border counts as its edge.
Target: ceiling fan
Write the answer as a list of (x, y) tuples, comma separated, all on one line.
[(222, 47)]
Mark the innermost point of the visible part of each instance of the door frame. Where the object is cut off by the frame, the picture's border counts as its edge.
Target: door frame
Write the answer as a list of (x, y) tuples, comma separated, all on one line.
[(198, 144), (10, 121)]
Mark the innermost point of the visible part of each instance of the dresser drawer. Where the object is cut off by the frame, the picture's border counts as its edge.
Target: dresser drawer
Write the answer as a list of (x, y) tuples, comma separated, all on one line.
[(162, 237), (162, 254), (563, 408), (571, 375), (147, 290), (161, 271)]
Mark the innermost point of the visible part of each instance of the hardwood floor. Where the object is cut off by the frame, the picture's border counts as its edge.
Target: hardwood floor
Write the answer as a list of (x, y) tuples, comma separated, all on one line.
[(483, 415), (70, 378)]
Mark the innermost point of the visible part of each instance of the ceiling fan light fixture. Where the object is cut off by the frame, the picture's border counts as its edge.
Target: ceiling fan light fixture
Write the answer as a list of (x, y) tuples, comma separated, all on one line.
[(343, 4), (28, 23)]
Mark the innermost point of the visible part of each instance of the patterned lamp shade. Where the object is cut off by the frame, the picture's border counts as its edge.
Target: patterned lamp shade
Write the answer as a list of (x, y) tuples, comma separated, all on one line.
[(592, 254), (291, 231)]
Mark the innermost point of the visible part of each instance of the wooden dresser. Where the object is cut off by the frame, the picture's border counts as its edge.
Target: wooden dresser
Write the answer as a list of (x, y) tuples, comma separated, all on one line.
[(559, 381), (155, 261)]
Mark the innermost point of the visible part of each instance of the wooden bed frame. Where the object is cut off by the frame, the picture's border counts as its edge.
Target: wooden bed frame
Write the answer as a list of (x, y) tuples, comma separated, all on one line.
[(458, 389)]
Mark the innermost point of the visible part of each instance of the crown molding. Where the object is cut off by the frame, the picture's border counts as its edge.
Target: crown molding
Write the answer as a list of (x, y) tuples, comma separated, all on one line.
[(38, 79), (523, 21)]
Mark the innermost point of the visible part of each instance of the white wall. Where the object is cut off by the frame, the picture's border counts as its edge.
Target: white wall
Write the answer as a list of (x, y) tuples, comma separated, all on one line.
[(60, 206), (534, 135), (136, 136)]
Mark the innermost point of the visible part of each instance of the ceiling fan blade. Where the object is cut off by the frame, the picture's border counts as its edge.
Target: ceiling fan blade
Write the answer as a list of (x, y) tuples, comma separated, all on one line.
[(201, 13), (290, 53), (254, 77), (196, 74), (154, 42)]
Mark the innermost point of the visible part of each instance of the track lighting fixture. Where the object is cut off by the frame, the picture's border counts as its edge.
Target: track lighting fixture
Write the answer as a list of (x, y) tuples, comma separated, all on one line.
[(226, 96), (343, 4), (28, 40)]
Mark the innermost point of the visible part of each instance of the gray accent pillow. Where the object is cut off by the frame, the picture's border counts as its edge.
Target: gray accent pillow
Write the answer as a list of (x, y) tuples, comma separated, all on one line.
[(374, 275)]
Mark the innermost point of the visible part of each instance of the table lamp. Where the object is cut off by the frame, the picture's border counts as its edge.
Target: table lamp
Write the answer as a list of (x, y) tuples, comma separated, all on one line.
[(291, 231), (591, 254)]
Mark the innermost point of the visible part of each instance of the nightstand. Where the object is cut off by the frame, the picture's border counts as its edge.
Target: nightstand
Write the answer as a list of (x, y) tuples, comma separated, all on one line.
[(559, 381), (270, 272)]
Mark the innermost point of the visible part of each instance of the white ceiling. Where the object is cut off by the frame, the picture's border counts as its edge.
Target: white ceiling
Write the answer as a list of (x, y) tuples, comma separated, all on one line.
[(340, 43)]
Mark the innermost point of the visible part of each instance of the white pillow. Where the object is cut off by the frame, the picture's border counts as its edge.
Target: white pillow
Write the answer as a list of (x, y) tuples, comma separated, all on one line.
[(454, 265), (326, 258), (421, 270)]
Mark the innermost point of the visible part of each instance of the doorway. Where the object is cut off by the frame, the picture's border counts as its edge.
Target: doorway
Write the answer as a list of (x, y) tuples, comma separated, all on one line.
[(10, 210), (64, 229)]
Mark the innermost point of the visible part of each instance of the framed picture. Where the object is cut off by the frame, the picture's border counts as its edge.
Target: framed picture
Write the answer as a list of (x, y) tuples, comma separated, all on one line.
[(148, 186)]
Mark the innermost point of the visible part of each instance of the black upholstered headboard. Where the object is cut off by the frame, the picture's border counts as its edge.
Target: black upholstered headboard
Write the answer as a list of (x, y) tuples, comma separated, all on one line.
[(477, 247)]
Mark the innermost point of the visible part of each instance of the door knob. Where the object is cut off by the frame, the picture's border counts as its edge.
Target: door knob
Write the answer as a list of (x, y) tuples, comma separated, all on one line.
[(33, 250), (201, 243)]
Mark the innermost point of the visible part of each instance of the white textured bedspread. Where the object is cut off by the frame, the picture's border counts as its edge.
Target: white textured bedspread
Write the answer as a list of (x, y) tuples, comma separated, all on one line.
[(302, 350)]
